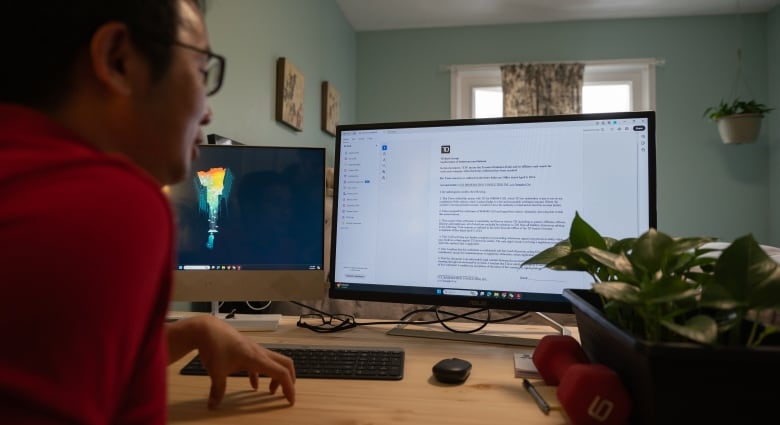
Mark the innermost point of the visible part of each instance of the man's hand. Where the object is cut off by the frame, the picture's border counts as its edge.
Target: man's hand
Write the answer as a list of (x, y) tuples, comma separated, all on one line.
[(223, 350)]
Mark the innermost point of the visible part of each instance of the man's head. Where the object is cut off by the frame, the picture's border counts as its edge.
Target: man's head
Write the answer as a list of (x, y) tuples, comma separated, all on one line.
[(126, 75)]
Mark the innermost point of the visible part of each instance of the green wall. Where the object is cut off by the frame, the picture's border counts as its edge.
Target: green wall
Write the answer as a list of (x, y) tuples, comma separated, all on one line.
[(312, 34), (704, 186), (773, 121)]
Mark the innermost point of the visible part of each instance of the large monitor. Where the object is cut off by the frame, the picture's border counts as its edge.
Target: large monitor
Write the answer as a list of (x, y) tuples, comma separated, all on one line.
[(250, 225), (443, 213)]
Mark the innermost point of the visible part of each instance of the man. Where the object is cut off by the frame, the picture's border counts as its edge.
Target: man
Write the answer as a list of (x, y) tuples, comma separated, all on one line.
[(101, 104)]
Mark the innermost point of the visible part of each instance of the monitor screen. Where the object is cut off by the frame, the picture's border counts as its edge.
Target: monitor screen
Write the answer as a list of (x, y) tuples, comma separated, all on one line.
[(444, 213), (250, 224)]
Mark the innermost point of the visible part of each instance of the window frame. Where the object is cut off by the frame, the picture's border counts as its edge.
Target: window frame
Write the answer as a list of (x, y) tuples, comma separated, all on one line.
[(640, 73)]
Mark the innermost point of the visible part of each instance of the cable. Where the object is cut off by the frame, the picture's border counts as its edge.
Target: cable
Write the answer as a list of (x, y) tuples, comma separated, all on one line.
[(478, 328), (267, 304), (434, 309)]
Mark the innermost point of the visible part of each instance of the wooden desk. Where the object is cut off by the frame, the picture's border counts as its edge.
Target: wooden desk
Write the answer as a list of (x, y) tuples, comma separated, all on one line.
[(491, 395)]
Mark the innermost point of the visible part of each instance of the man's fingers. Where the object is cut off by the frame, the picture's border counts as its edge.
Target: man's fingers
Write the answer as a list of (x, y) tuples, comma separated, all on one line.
[(285, 361), (218, 385), (289, 392), (282, 372)]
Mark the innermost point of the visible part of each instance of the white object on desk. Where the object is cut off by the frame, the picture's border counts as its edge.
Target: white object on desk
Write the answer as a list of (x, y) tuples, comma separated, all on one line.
[(242, 322), (254, 322), (772, 251), (524, 365)]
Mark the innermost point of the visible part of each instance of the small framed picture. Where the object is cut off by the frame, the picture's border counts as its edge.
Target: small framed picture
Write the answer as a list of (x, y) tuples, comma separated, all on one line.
[(330, 108), (289, 94)]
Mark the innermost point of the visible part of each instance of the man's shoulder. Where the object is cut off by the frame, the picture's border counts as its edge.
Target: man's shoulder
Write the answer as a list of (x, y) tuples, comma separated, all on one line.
[(49, 177), (69, 178), (81, 173), (36, 148)]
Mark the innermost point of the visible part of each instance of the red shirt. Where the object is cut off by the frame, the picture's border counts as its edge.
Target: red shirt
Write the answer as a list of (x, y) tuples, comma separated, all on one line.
[(86, 244)]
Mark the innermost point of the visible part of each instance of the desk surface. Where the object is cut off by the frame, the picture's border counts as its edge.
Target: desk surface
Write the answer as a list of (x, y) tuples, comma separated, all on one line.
[(491, 394)]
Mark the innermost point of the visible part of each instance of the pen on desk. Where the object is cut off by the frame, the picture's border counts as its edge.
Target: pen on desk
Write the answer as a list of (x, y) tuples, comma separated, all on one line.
[(537, 397)]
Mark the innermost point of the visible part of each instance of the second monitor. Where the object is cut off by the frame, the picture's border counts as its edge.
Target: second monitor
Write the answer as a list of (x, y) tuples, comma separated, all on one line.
[(250, 223)]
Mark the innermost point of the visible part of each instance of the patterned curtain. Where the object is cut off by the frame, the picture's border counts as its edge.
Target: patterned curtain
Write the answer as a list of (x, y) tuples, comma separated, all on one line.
[(542, 89)]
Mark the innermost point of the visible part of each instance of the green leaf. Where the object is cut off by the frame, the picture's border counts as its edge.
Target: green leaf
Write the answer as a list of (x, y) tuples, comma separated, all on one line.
[(688, 259), (668, 289), (617, 263), (768, 330), (717, 296), (619, 291), (742, 268), (766, 294), (698, 277), (574, 261), (623, 245), (736, 106), (651, 252), (561, 249), (695, 260), (700, 328), (687, 244), (582, 235), (582, 261)]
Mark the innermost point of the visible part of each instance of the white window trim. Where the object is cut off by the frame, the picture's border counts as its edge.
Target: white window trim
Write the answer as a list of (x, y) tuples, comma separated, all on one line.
[(463, 81), (639, 72)]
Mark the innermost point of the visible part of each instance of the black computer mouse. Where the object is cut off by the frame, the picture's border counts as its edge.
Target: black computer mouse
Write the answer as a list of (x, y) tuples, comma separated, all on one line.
[(451, 371)]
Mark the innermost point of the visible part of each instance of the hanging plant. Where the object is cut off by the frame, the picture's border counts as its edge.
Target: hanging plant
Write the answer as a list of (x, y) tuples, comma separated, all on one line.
[(738, 121)]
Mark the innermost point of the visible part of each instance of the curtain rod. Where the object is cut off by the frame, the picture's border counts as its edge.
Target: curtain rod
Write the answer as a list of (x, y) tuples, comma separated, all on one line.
[(639, 61)]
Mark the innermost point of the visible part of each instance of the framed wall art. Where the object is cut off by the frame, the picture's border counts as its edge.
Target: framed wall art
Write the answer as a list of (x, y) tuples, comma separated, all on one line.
[(330, 108), (289, 94)]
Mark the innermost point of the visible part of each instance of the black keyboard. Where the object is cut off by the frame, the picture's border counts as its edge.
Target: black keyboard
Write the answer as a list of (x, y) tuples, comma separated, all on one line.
[(331, 362)]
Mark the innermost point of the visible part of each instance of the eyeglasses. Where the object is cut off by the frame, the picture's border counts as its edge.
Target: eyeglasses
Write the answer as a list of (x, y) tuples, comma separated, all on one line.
[(330, 323), (214, 71)]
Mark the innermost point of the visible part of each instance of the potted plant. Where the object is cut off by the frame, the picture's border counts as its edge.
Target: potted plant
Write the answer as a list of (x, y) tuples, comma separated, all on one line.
[(672, 317), (738, 121)]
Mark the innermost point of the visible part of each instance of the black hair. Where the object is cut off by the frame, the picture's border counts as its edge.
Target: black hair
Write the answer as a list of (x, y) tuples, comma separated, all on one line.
[(43, 38)]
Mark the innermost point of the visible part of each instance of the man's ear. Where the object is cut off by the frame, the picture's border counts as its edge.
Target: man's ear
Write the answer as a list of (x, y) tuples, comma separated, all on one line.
[(114, 60)]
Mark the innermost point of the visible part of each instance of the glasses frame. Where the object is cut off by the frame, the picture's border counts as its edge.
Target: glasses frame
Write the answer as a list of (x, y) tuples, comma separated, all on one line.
[(343, 322), (210, 55)]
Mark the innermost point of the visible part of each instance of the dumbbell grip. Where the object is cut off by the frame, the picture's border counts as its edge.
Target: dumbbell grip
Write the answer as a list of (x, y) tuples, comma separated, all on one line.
[(555, 354)]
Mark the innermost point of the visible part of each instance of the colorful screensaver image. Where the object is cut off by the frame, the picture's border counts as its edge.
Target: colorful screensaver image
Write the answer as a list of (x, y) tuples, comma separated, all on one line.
[(213, 187)]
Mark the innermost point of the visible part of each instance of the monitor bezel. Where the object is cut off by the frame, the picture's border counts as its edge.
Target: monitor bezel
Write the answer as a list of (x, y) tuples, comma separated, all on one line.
[(558, 304), (253, 285)]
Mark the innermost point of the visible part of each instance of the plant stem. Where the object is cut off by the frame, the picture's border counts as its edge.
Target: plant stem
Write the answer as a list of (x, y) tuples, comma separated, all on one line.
[(753, 334)]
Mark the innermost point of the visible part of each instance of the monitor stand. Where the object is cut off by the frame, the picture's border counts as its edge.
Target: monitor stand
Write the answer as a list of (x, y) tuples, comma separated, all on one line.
[(248, 322), (507, 339)]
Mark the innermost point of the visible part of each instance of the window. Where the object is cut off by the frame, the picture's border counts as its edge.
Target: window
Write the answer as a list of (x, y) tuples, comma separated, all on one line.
[(488, 102), (608, 87), (614, 96)]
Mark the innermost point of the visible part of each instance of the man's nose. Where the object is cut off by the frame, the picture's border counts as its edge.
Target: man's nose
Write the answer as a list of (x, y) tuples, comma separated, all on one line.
[(206, 119)]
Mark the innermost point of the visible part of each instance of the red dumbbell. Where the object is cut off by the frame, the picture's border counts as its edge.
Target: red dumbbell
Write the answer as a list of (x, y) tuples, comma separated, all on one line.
[(591, 394)]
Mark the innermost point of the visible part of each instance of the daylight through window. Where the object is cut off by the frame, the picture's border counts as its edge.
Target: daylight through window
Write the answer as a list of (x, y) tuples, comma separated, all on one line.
[(619, 86)]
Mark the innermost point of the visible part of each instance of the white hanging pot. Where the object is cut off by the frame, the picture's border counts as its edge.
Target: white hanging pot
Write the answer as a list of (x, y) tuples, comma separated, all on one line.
[(739, 128)]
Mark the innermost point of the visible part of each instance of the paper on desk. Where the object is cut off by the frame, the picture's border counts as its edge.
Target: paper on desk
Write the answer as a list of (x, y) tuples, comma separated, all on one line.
[(772, 251), (524, 366)]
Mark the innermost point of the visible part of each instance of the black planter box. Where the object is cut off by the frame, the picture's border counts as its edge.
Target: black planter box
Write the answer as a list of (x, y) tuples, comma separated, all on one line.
[(682, 383)]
